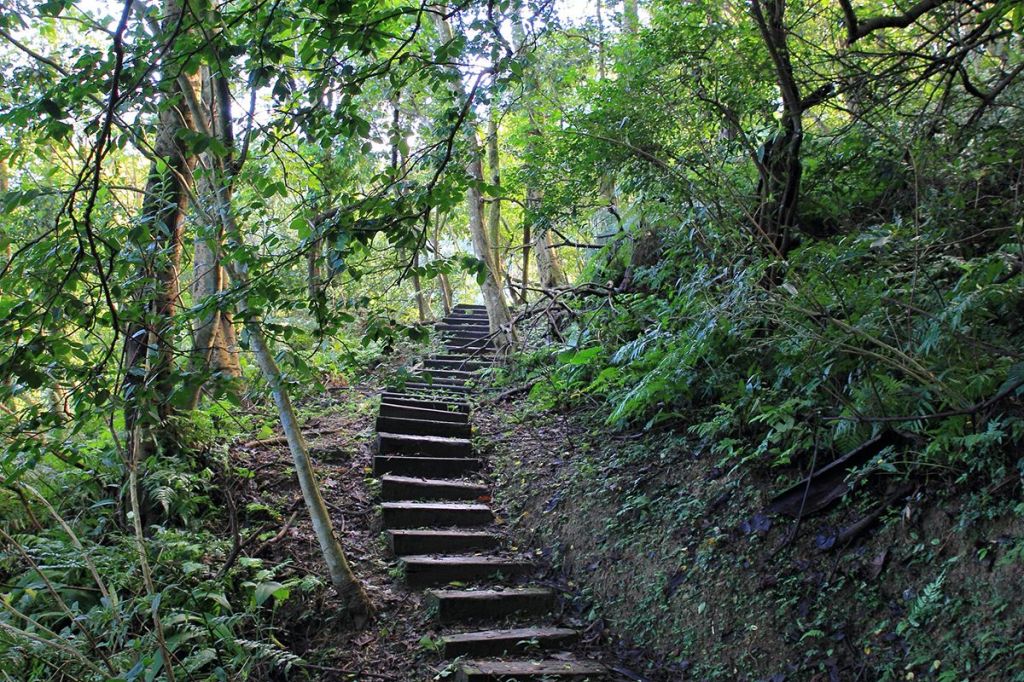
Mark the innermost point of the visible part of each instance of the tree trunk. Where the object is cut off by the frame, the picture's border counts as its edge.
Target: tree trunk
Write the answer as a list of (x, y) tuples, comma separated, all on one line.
[(497, 309), (221, 169), (494, 299), (630, 17), (353, 599), (445, 285), (494, 179), (526, 260), (215, 343), (549, 270), (421, 299), (780, 168), (149, 339)]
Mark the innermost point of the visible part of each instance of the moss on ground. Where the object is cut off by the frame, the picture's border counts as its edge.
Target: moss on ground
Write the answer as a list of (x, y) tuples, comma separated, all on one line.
[(671, 550)]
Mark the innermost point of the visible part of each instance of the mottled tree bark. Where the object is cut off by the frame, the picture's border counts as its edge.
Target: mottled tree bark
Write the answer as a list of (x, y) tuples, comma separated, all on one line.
[(494, 179), (150, 338)]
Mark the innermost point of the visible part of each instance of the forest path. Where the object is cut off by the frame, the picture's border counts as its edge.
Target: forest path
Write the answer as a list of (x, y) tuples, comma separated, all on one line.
[(436, 510)]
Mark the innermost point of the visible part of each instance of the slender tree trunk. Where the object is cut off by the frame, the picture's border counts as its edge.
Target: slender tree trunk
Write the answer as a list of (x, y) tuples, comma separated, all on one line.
[(630, 17), (494, 179), (497, 309), (421, 299), (498, 314), (526, 260), (549, 270), (445, 285), (5, 180), (781, 167), (222, 169)]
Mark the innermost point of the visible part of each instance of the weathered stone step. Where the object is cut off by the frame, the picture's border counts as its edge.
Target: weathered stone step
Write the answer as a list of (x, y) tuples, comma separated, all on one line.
[(459, 605), (435, 514), (499, 642), (410, 412), (423, 427), (470, 306), (532, 671), (450, 362), (406, 542), (430, 571), (395, 488), (437, 467), (452, 404), (429, 446)]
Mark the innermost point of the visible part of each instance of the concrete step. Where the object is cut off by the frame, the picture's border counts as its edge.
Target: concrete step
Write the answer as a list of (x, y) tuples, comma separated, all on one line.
[(452, 404), (435, 514), (437, 467), (449, 606), (395, 488), (427, 414), (423, 427), (406, 542), (499, 642), (530, 671), (428, 446), (470, 306), (435, 570)]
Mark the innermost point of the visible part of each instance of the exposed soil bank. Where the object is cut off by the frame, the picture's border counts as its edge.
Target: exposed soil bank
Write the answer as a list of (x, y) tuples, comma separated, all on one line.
[(672, 552)]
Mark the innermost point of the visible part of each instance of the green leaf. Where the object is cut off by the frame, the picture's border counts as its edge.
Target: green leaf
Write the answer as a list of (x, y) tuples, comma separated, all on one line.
[(272, 588)]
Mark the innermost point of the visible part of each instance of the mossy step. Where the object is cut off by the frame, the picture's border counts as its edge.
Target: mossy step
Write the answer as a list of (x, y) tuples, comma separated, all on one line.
[(396, 488), (452, 404), (468, 330), (424, 413), (430, 446), (500, 642), (432, 390), (448, 374), (435, 514), (437, 570), (529, 671), (423, 427), (436, 467), (462, 605), (418, 542), (455, 362)]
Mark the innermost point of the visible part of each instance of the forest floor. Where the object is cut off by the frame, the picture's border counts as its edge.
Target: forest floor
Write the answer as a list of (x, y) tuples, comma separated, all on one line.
[(671, 551), (340, 430), (339, 425), (665, 560)]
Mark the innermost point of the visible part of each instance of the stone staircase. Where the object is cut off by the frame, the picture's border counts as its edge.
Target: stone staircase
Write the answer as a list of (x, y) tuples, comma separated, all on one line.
[(441, 528)]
